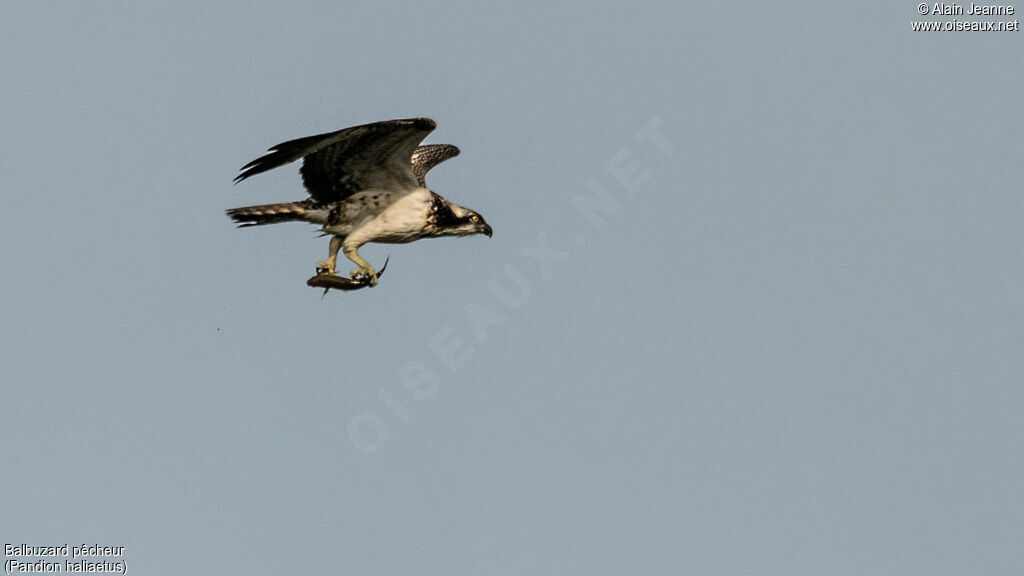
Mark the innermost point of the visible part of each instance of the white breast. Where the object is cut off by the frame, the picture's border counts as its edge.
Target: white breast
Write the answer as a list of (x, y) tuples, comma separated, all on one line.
[(400, 222)]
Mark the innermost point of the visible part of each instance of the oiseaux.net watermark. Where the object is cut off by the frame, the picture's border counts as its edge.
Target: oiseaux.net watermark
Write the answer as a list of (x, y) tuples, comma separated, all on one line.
[(625, 174), (953, 17)]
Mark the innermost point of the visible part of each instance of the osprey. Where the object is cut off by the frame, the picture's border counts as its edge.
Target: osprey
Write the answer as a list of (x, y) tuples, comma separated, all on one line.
[(366, 184)]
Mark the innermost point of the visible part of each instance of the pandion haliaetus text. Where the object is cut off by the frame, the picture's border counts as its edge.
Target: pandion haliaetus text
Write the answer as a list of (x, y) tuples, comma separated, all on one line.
[(366, 184)]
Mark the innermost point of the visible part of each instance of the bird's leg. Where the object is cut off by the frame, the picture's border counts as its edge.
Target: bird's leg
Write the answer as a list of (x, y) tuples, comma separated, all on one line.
[(365, 272), (328, 266)]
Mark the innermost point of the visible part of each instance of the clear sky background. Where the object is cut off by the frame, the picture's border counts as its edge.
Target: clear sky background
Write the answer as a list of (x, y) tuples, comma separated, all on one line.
[(752, 304)]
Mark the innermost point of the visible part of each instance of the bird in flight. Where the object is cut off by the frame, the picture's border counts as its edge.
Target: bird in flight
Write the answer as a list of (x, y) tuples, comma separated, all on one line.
[(366, 184)]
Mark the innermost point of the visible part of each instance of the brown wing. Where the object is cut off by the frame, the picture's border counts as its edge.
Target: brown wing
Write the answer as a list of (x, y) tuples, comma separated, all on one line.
[(339, 164), (426, 157)]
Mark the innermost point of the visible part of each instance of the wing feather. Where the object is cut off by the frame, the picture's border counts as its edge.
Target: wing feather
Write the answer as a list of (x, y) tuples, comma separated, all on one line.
[(429, 155), (339, 164)]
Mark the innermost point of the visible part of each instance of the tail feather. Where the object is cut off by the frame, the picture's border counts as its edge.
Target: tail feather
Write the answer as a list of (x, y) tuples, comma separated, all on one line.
[(270, 213)]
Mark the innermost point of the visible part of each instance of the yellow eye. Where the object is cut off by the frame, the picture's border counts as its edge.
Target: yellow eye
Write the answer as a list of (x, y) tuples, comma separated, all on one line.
[(475, 218)]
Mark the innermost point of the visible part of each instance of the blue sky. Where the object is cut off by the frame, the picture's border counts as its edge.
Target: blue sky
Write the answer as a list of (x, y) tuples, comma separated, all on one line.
[(785, 339)]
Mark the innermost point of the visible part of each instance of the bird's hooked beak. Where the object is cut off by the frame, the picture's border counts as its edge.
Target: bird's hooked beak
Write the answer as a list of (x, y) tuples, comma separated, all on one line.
[(487, 230)]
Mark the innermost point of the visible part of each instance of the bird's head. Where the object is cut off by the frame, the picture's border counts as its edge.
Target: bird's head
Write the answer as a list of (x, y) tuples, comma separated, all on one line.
[(466, 222)]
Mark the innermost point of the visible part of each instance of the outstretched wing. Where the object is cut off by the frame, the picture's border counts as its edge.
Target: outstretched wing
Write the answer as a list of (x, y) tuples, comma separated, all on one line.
[(339, 164), (426, 157)]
